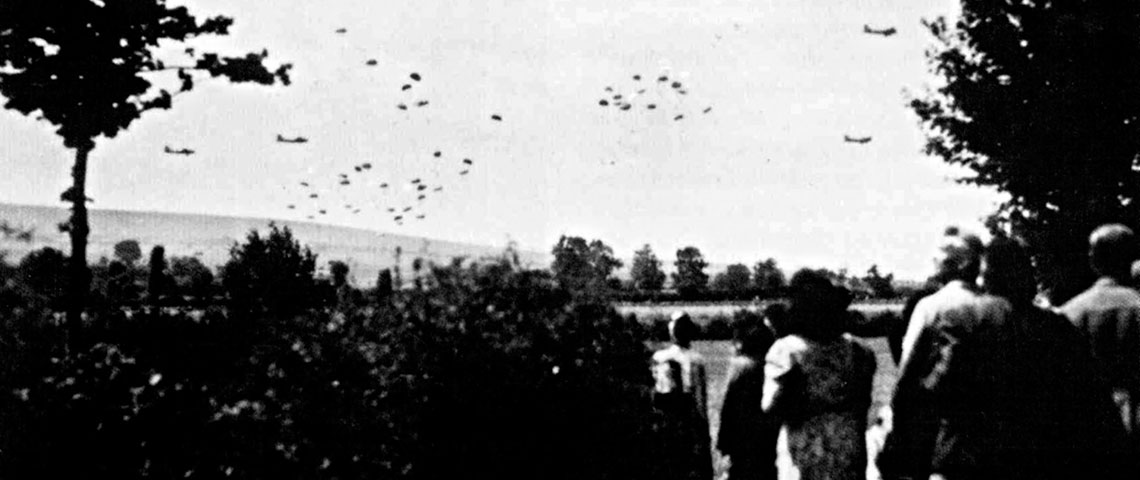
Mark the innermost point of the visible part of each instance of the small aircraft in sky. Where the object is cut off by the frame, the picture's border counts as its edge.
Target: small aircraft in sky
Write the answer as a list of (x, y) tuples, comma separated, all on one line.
[(181, 151), (860, 140), (886, 32), (282, 139)]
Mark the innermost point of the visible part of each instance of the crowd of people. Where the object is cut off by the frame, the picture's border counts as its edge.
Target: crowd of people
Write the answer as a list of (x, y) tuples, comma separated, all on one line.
[(993, 383)]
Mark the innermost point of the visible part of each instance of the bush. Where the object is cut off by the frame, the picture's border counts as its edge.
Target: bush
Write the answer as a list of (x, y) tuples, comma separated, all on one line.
[(272, 274), (484, 371)]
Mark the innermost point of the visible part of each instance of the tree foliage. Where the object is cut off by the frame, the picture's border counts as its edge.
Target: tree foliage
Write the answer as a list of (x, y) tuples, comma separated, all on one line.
[(128, 252), (1040, 100), (89, 69), (271, 274), (736, 278), (881, 286), (583, 267), (645, 270), (191, 277), (690, 276), (767, 276)]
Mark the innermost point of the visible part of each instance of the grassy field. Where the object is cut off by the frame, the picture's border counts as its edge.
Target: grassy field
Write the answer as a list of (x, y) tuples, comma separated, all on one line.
[(717, 354), (701, 311)]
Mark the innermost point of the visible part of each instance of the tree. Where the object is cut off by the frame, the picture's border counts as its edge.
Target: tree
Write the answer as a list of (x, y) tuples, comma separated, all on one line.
[(128, 251), (690, 276), (43, 273), (192, 277), (881, 286), (157, 279), (87, 68), (384, 284), (1039, 100), (767, 277), (583, 267), (273, 274), (735, 279), (645, 270)]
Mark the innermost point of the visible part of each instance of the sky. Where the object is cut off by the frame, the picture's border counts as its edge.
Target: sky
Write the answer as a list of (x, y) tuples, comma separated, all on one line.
[(765, 173)]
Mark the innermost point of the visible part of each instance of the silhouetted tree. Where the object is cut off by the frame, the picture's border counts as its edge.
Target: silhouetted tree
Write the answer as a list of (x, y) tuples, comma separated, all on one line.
[(128, 251), (157, 281), (767, 276), (690, 277), (735, 279), (272, 274), (645, 271), (43, 274), (581, 266), (87, 68), (192, 277), (881, 286), (1039, 100), (384, 284)]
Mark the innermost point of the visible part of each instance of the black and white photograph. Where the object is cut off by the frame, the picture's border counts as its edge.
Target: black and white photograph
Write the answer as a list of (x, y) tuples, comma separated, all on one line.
[(570, 239)]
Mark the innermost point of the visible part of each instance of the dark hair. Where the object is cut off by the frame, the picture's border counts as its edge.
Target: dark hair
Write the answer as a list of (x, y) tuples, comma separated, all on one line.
[(752, 336), (777, 316), (683, 330), (817, 306), (1008, 271), (1112, 248)]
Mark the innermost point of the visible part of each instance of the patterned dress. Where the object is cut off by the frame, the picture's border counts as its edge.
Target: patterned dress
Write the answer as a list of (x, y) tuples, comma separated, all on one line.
[(822, 392)]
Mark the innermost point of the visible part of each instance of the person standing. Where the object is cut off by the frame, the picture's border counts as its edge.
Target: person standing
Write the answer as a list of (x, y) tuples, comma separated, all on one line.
[(1108, 314), (817, 383), (946, 414), (1062, 423), (747, 437), (680, 371)]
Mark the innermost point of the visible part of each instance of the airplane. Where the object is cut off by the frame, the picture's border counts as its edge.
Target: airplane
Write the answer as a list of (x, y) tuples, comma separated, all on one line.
[(886, 32), (181, 151), (860, 140), (291, 140)]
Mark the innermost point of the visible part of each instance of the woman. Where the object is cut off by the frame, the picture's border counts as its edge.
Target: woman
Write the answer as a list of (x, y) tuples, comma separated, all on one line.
[(818, 383), (1061, 420)]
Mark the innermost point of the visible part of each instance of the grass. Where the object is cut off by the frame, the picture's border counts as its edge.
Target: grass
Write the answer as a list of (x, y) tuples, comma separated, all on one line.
[(718, 353)]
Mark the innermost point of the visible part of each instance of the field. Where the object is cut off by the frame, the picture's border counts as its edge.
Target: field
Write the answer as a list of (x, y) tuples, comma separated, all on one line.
[(718, 353), (701, 311)]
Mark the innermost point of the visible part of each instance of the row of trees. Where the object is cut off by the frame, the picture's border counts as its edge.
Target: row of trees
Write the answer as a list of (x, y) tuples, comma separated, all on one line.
[(590, 265)]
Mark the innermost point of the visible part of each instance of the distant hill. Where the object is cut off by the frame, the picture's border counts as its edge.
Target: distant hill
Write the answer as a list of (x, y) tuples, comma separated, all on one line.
[(210, 237)]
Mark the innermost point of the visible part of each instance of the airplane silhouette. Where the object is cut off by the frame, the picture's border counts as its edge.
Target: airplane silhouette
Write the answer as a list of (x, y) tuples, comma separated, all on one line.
[(291, 140), (181, 151), (886, 32), (860, 140)]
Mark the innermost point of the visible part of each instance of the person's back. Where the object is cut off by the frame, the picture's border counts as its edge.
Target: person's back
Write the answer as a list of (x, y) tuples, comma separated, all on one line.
[(822, 392), (1108, 314), (747, 436)]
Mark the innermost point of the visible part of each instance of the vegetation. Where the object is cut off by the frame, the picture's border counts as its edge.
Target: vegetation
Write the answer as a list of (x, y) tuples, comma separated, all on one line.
[(690, 277), (645, 271), (584, 267), (1039, 100), (87, 68)]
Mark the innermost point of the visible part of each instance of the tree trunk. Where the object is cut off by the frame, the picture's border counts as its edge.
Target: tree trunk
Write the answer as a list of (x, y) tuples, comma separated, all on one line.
[(79, 275)]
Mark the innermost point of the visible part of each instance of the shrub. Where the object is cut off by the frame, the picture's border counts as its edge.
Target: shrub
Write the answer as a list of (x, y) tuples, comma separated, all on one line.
[(484, 371), (273, 274)]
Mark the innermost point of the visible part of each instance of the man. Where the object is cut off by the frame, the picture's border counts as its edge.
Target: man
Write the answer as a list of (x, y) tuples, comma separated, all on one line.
[(1108, 314), (949, 407)]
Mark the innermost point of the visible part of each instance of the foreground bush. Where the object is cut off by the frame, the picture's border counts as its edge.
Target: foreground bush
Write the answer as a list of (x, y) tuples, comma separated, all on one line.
[(485, 371)]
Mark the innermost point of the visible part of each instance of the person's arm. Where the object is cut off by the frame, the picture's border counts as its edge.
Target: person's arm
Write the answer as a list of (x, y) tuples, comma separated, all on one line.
[(701, 389), (780, 373)]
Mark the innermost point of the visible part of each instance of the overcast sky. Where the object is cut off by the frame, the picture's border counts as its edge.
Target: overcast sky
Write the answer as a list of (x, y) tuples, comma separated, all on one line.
[(765, 173)]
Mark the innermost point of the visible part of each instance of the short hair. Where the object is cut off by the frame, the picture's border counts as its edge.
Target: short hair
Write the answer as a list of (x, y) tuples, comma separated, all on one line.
[(1112, 248), (682, 328), (1009, 271), (963, 249)]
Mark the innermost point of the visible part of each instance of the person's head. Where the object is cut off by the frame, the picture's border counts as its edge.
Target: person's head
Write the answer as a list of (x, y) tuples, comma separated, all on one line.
[(957, 256), (1007, 271), (1112, 248), (817, 306), (682, 329), (752, 337), (776, 319)]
